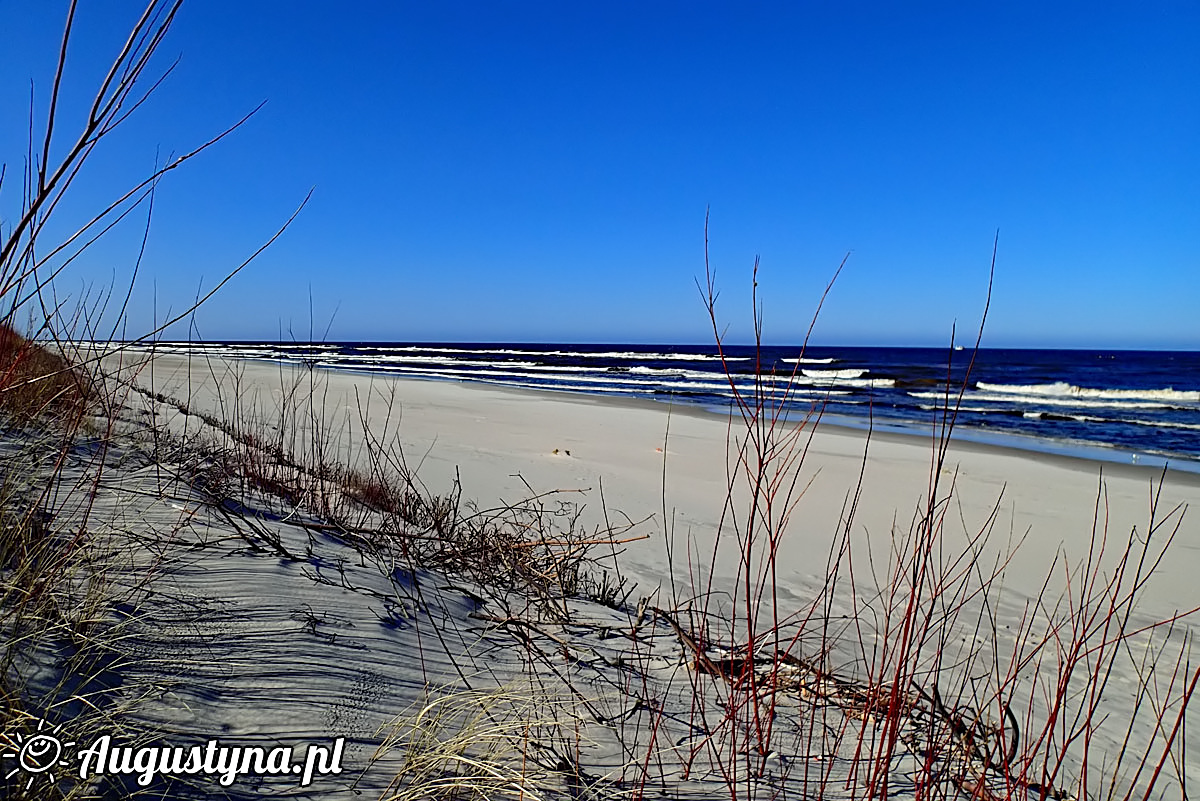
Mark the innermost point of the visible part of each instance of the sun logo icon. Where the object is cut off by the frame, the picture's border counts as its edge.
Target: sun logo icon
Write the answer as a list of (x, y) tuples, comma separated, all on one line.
[(38, 754)]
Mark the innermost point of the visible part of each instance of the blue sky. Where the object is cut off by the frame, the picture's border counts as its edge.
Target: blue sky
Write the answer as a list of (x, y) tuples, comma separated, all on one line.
[(541, 171)]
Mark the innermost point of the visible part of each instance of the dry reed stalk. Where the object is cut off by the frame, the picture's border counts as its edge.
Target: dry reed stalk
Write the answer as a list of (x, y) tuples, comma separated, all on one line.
[(909, 697)]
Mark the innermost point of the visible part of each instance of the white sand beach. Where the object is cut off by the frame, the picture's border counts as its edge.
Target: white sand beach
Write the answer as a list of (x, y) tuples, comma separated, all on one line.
[(498, 440), (328, 642)]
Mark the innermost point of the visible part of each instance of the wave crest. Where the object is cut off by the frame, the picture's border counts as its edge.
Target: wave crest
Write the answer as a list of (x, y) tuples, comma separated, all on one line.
[(1061, 389), (833, 374)]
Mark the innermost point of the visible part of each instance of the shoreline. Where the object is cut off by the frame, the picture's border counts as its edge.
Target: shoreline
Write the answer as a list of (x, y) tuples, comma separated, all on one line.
[(503, 442), (1080, 456), (1042, 404)]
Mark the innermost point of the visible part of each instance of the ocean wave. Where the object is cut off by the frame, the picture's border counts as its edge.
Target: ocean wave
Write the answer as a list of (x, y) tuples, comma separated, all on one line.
[(450, 372), (1084, 403), (1080, 418), (777, 382), (1155, 423), (662, 371), (257, 355), (561, 387), (808, 361), (517, 377), (594, 379), (623, 354), (984, 410), (351, 358), (834, 373), (1061, 389), (849, 383), (610, 373), (647, 372), (866, 383), (224, 346)]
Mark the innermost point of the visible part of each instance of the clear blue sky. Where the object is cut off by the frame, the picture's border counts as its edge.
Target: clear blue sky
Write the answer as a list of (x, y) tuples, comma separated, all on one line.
[(540, 171)]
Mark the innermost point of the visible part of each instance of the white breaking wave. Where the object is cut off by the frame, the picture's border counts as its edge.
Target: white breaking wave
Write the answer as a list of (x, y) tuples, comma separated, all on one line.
[(571, 369), (1155, 423), (449, 372), (1047, 400), (809, 361), (593, 380), (832, 374), (843, 378), (275, 349), (226, 352), (1061, 389), (624, 354), (224, 346), (976, 409), (661, 371), (565, 370), (557, 387), (1083, 418), (388, 359), (860, 383)]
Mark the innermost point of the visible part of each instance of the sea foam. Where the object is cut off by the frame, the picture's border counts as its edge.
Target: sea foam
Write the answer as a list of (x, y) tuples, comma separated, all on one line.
[(1061, 389)]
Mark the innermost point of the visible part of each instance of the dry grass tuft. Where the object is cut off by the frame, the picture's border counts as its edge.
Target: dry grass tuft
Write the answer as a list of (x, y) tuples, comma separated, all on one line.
[(34, 380), (479, 745)]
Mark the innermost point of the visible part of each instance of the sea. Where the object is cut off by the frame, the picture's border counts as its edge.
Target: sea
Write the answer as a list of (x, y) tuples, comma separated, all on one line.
[(1111, 405)]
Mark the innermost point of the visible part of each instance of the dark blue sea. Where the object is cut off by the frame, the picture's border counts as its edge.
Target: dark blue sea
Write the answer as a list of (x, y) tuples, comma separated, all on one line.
[(1128, 406)]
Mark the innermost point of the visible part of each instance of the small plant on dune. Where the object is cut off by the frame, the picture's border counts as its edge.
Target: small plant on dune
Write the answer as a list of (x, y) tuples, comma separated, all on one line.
[(478, 745)]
